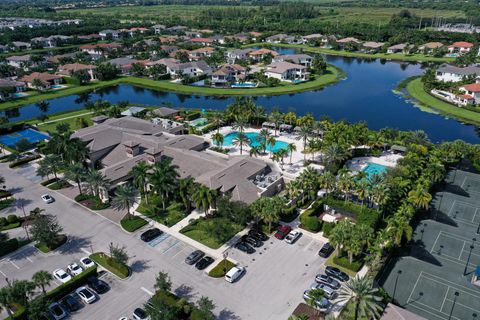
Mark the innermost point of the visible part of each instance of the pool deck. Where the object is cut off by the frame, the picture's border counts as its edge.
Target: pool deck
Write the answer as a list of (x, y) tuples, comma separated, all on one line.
[(387, 159)]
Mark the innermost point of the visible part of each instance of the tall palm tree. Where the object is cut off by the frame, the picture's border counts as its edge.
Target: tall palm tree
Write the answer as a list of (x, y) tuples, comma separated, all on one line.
[(124, 198), (271, 143), (258, 113), (185, 190), (436, 171), (241, 122), (218, 139), (262, 137), (420, 197), (315, 295), (290, 148), (95, 181), (276, 117), (240, 141), (41, 279), (362, 190), (254, 152), (204, 198), (76, 172), (140, 174), (216, 118), (163, 179), (304, 134), (335, 153), (51, 164), (339, 235), (365, 298), (399, 228), (76, 151), (21, 291)]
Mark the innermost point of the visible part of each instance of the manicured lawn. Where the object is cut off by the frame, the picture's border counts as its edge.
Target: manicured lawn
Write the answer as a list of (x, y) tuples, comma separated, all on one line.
[(60, 184), (120, 270), (11, 226), (171, 216), (416, 90), (212, 232), (61, 239), (221, 269), (133, 223), (70, 118)]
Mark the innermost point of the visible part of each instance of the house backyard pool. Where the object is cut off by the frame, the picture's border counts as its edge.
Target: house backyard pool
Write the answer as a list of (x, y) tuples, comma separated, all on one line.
[(373, 169), (31, 135), (254, 141)]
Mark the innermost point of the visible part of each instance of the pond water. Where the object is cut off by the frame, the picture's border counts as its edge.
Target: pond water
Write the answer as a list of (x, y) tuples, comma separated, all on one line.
[(365, 95)]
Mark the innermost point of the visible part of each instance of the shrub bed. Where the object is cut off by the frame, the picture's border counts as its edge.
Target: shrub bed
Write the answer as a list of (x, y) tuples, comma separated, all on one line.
[(49, 181), (363, 215), (309, 218), (289, 214), (11, 245), (192, 115), (73, 284), (132, 223), (327, 228), (119, 269), (6, 203), (219, 270), (174, 212), (60, 184), (212, 232), (5, 194), (23, 161), (61, 239), (92, 202), (344, 262)]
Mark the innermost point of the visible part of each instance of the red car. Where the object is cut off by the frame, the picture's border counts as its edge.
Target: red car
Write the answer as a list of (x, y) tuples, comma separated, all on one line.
[(282, 232)]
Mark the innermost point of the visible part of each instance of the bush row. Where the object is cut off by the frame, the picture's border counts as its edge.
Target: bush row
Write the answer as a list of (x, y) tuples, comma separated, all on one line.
[(23, 161), (49, 181), (132, 223), (344, 262), (309, 218), (289, 214), (362, 214), (192, 115)]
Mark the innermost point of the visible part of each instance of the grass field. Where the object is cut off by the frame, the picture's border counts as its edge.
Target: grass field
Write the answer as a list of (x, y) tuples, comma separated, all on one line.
[(416, 90)]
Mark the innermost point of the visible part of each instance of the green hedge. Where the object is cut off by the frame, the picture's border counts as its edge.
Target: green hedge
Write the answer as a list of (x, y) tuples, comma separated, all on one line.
[(218, 270), (192, 115), (6, 203), (23, 161), (73, 284), (327, 227), (343, 261), (60, 184), (96, 204), (309, 218), (5, 194), (49, 181), (120, 270), (133, 223), (9, 246), (289, 214), (362, 214), (61, 239)]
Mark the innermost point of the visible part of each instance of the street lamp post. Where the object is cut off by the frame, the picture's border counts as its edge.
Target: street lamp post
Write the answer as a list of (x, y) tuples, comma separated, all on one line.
[(469, 255), (225, 256), (399, 272), (453, 305)]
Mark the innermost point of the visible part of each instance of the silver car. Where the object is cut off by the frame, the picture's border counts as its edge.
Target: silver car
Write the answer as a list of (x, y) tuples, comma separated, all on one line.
[(329, 281), (322, 304), (329, 292)]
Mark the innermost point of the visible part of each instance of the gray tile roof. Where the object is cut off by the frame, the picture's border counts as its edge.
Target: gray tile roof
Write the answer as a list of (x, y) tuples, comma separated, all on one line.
[(165, 112), (465, 71)]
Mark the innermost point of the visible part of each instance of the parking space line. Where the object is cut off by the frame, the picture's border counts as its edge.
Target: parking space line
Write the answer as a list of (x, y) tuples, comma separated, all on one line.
[(474, 215), (461, 251), (150, 293), (180, 251), (414, 286), (29, 259), (3, 273), (444, 298), (308, 245), (13, 263), (86, 251), (435, 243), (171, 246)]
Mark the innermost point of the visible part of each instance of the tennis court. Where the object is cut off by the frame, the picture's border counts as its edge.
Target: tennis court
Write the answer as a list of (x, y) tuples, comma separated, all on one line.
[(31, 135)]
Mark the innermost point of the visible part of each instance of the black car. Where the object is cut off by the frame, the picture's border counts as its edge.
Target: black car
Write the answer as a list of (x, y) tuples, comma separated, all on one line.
[(150, 234), (326, 250), (245, 247), (70, 303), (139, 314), (336, 273), (99, 286), (252, 241), (257, 234), (204, 262), (194, 257)]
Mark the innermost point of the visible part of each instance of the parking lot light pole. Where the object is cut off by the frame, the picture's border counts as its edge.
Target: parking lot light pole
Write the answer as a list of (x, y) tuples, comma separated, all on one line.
[(399, 272), (469, 255), (453, 305)]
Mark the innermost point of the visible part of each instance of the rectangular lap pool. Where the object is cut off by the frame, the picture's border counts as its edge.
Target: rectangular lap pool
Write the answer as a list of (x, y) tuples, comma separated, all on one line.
[(31, 135)]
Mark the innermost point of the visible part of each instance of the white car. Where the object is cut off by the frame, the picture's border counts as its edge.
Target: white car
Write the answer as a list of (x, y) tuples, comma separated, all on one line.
[(47, 198), (234, 274), (61, 275), (74, 269), (87, 262), (87, 295), (292, 236)]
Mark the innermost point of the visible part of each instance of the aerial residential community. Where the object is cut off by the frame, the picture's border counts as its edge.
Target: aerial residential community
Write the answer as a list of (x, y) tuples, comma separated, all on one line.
[(245, 159)]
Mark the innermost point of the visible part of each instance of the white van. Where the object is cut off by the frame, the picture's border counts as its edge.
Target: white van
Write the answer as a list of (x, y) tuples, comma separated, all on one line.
[(234, 274)]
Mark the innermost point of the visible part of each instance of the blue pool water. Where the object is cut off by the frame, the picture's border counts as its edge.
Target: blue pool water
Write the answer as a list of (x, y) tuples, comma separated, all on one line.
[(253, 137), (244, 85), (33, 136), (57, 86), (374, 169)]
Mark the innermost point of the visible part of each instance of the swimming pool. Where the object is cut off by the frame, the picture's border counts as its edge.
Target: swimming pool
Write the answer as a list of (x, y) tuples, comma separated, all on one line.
[(197, 123), (244, 85), (31, 135), (57, 86), (254, 141), (374, 169)]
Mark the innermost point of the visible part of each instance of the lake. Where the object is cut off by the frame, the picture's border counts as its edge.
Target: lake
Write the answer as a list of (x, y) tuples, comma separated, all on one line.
[(365, 95)]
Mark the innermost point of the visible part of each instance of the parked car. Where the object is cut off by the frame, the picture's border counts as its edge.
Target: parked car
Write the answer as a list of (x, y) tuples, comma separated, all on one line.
[(336, 273), (245, 247), (326, 250), (328, 291), (57, 311), (123, 318), (234, 273), (74, 269), (251, 241), (204, 262), (47, 198), (139, 314), (194, 257), (292, 236), (282, 232), (70, 303), (99, 286), (150, 234), (257, 234), (322, 304), (87, 262), (61, 275), (323, 278), (86, 294)]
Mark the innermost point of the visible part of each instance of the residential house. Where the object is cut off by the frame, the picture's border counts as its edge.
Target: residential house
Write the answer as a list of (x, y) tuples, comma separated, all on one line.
[(49, 42), (167, 39), (133, 111), (191, 69), (349, 41), (302, 59), (19, 45), (228, 74), (430, 47), (280, 38), (69, 69), (117, 145), (89, 37), (158, 28), (451, 73), (174, 54), (471, 93), (169, 49), (176, 29), (100, 49), (312, 37), (286, 71), (238, 54), (219, 39), (132, 32), (202, 41), (399, 48), (165, 112), (240, 37), (47, 80), (9, 87), (109, 34), (460, 47), (372, 46), (62, 57), (260, 54), (201, 53), (3, 48), (124, 64), (21, 62), (255, 35)]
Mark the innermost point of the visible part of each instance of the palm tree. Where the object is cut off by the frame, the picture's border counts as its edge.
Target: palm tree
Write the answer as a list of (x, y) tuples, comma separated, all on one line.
[(335, 153), (362, 190), (339, 235), (95, 181), (271, 143), (254, 152), (43, 105), (6, 300), (185, 190), (304, 133), (315, 295), (420, 197), (140, 174), (398, 227), (21, 290), (276, 117), (290, 148), (258, 112), (216, 119), (262, 137), (163, 179), (76, 172), (204, 198), (41, 279), (51, 164), (76, 151), (241, 122), (124, 197), (240, 141), (218, 139), (436, 171), (365, 298), (328, 181)]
